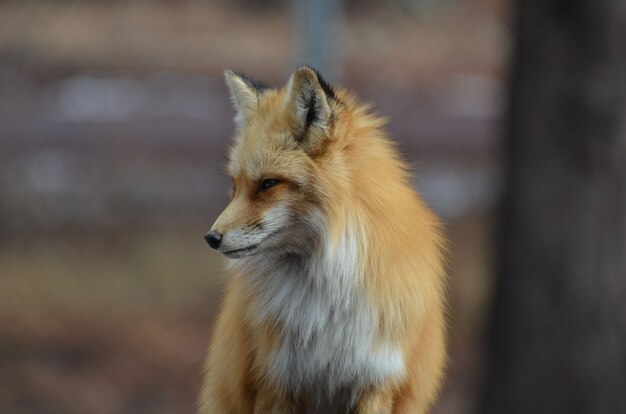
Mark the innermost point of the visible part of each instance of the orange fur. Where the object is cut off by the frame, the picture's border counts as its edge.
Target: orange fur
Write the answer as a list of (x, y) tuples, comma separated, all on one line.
[(345, 170)]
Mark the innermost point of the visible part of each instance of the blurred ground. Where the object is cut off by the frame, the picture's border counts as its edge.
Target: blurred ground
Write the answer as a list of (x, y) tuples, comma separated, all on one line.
[(113, 126), (101, 325)]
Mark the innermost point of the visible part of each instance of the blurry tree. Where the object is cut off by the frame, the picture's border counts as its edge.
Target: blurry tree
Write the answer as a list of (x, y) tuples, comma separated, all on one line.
[(316, 25), (557, 343)]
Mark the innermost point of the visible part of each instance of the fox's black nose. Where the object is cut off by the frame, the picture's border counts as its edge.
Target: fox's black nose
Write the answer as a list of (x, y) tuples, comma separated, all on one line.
[(214, 239)]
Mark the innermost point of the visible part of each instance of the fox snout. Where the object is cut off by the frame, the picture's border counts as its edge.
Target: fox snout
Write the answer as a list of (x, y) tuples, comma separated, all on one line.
[(214, 239), (244, 230), (237, 232)]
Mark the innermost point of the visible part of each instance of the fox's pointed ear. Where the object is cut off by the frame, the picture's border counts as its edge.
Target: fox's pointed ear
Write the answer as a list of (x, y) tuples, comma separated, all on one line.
[(308, 103), (244, 93)]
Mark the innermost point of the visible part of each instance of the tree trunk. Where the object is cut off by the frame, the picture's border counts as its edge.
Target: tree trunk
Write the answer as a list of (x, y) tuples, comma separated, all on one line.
[(557, 342)]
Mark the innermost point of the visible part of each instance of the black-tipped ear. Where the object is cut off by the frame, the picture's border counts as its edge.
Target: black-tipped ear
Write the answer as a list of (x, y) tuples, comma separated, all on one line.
[(308, 101), (244, 93)]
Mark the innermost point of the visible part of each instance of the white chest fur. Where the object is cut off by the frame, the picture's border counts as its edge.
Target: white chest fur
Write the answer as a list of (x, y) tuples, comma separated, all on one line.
[(329, 327)]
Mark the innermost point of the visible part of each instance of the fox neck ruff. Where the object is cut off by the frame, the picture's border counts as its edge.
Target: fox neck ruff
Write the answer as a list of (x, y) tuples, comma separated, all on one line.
[(328, 328)]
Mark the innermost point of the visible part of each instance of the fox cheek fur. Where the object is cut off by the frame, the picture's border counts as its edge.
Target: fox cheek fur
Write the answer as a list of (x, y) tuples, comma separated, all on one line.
[(280, 218), (338, 304)]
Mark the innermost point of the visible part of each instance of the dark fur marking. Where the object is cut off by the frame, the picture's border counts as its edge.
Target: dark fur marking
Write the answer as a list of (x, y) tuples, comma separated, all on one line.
[(311, 114), (326, 87), (252, 226), (257, 85)]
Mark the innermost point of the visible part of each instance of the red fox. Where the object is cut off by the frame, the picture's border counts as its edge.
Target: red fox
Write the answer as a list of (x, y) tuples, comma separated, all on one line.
[(337, 304)]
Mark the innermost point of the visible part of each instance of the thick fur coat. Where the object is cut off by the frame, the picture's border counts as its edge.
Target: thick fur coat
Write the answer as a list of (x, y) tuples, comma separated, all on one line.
[(337, 300)]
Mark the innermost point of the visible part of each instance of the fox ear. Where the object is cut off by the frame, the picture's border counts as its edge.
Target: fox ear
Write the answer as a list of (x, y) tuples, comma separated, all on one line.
[(244, 93), (308, 103)]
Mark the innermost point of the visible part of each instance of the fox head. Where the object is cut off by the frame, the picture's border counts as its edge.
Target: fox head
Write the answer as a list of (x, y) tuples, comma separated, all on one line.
[(275, 165)]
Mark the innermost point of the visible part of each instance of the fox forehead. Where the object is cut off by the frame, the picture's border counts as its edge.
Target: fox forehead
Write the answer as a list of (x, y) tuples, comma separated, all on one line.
[(264, 147), (275, 155)]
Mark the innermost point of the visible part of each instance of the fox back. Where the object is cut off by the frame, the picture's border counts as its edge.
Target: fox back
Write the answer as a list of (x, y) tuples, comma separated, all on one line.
[(337, 300)]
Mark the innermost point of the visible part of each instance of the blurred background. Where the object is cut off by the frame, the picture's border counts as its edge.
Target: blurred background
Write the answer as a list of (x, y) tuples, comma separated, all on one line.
[(114, 122)]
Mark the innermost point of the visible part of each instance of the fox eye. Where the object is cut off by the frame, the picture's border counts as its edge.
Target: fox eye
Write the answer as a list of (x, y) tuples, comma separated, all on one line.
[(268, 183)]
